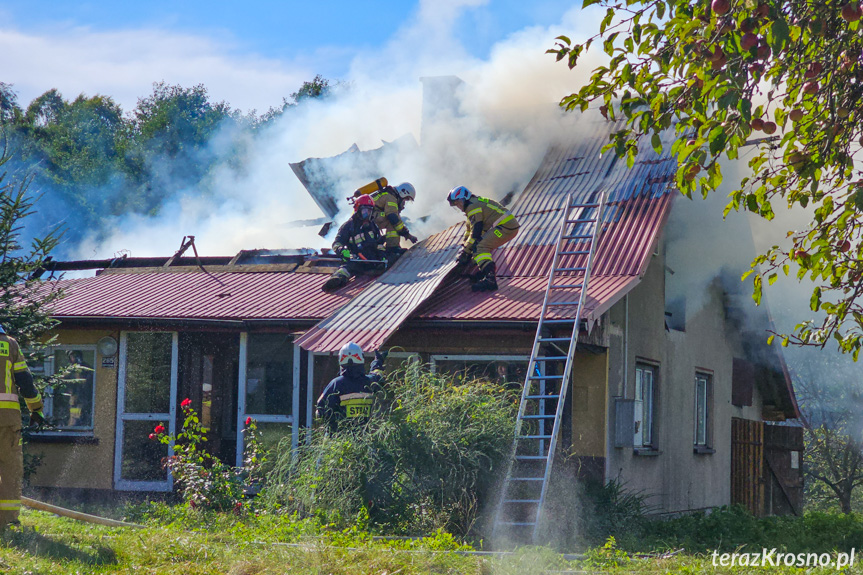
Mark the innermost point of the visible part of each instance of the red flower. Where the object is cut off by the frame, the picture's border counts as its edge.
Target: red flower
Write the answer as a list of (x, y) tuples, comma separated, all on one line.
[(159, 429), (152, 436), (248, 421), (186, 403)]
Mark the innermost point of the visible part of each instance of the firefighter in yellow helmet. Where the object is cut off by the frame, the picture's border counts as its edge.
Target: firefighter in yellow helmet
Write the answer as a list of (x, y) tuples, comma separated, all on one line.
[(16, 380), (489, 226), (389, 203)]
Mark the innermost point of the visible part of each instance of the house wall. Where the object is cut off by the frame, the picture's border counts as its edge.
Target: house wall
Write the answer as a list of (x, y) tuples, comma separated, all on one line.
[(673, 476), (89, 463)]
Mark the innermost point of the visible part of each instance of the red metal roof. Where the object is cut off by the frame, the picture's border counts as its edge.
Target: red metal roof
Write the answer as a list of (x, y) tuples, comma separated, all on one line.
[(195, 295), (639, 204)]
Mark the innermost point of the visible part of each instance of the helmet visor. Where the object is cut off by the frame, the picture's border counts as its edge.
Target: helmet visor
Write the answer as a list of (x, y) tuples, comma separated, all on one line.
[(365, 212)]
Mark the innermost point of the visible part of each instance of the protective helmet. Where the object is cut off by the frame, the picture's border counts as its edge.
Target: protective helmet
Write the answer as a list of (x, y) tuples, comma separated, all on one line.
[(351, 353), (459, 193), (406, 191), (2, 329), (364, 206)]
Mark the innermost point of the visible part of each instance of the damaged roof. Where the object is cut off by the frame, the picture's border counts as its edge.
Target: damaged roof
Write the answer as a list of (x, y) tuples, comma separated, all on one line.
[(638, 206)]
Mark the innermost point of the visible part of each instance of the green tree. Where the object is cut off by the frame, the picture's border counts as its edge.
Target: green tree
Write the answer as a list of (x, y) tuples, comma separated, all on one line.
[(727, 73)]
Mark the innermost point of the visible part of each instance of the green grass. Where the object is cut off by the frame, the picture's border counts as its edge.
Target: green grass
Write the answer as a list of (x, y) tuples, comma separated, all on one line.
[(176, 541)]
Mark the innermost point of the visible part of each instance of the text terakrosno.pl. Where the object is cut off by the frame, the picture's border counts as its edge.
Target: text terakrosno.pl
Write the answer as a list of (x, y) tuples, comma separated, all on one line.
[(774, 558)]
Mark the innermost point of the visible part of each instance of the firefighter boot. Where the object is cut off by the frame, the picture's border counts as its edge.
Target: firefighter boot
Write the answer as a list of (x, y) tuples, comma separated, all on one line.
[(488, 282), (339, 278)]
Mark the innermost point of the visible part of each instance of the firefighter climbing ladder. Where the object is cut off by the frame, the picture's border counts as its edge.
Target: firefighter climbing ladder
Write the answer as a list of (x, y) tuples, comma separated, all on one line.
[(541, 409)]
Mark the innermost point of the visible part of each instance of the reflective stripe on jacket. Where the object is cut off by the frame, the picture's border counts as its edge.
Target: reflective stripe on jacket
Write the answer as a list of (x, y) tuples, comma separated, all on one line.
[(484, 214)]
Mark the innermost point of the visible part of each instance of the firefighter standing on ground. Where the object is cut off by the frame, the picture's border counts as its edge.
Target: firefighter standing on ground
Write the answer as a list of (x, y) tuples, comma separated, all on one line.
[(489, 226), (16, 380), (351, 395), (358, 239), (389, 203)]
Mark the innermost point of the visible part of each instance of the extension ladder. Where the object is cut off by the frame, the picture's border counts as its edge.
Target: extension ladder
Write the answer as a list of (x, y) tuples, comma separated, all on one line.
[(540, 412)]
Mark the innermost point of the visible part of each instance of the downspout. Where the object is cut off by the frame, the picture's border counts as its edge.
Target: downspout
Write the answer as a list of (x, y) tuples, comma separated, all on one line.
[(625, 345)]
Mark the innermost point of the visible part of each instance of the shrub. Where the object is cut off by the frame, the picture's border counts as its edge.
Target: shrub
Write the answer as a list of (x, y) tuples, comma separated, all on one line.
[(425, 460), (204, 481)]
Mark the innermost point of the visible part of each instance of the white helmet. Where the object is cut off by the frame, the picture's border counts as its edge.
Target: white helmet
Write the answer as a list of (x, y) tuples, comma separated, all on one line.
[(351, 353), (406, 191)]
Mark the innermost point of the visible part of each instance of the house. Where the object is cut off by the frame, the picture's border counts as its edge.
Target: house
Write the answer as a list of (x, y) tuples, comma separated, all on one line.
[(674, 399)]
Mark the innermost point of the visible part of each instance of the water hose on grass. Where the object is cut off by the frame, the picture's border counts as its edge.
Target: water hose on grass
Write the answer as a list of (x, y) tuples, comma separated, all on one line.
[(77, 515)]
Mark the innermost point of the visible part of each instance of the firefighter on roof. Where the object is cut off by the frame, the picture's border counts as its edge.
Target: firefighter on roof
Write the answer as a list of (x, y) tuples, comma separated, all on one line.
[(358, 240), (389, 203), (351, 395), (489, 225), (16, 380)]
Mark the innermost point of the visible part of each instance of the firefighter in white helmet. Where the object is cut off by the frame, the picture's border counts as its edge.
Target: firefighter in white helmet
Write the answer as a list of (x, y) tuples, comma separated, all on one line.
[(389, 203), (17, 380), (489, 226), (351, 395)]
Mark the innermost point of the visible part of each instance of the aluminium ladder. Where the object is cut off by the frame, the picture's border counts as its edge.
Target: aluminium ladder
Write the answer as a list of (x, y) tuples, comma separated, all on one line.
[(540, 411)]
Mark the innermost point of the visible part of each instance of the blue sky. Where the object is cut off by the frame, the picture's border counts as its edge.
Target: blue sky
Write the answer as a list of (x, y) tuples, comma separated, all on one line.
[(277, 44)]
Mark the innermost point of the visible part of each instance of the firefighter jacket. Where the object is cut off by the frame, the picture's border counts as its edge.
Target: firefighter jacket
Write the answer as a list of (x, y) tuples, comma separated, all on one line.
[(360, 239), (351, 394), (17, 380), (482, 216), (388, 205)]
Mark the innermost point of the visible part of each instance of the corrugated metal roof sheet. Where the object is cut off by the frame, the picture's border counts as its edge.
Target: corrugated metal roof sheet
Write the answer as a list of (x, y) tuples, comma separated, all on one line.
[(195, 295), (639, 203)]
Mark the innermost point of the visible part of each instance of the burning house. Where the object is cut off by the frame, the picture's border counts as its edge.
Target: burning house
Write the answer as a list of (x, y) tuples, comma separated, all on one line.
[(675, 400)]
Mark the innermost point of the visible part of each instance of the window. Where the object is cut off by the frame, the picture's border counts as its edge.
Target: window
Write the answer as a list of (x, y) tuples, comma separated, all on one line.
[(270, 374), (500, 369), (645, 405), (69, 405), (703, 394)]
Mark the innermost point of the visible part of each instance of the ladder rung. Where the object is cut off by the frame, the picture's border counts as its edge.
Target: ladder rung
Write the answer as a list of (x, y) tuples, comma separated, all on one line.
[(578, 252), (521, 501), (580, 237), (545, 377), (569, 269), (570, 253), (516, 524), (527, 478), (581, 221), (530, 457), (584, 206), (543, 397), (534, 437), (549, 416), (549, 358), (554, 339), (562, 303), (568, 286)]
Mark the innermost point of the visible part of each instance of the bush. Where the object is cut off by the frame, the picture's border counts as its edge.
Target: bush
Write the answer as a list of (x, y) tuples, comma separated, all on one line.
[(204, 481), (427, 458)]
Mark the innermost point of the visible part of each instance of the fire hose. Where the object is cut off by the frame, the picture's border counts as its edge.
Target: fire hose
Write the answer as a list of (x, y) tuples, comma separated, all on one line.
[(77, 515)]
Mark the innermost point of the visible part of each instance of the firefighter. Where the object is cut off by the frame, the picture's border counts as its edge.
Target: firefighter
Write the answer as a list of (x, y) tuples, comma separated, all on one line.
[(489, 225), (17, 380), (389, 203), (351, 394), (358, 239)]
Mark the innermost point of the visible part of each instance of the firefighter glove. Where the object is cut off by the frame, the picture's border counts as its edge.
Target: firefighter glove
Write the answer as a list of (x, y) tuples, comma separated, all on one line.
[(463, 256), (381, 355), (345, 254), (413, 239), (37, 419)]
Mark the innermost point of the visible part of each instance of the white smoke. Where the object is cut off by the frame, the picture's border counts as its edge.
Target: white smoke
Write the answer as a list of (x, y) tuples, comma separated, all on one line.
[(506, 119)]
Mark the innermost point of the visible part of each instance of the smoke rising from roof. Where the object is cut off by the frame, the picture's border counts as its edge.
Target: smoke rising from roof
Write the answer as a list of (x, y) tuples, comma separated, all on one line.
[(506, 117)]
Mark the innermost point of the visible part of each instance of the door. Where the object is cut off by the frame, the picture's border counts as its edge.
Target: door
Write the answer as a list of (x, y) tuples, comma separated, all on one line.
[(146, 397)]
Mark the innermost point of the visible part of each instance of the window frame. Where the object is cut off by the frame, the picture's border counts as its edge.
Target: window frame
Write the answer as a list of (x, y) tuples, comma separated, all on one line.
[(704, 408), (49, 369), (651, 443)]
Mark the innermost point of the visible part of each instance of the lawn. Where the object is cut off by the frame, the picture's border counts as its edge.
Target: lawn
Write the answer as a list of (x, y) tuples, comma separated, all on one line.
[(179, 543)]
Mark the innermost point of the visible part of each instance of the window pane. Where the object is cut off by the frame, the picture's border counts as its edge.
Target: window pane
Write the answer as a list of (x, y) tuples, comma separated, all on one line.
[(71, 405), (647, 386), (269, 374), (142, 457), (148, 372), (500, 371), (700, 411)]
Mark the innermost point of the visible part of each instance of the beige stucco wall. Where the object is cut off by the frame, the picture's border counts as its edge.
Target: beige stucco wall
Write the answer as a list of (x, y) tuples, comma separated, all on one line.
[(84, 465), (589, 380), (675, 479)]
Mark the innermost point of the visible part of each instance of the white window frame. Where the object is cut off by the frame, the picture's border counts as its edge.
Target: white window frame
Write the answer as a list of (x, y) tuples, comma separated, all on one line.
[(645, 405), (702, 408), (171, 417), (266, 418), (48, 400)]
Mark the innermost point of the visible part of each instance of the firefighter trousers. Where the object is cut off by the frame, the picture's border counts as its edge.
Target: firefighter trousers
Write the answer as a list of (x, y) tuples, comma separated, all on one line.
[(11, 472), (393, 239), (494, 238)]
